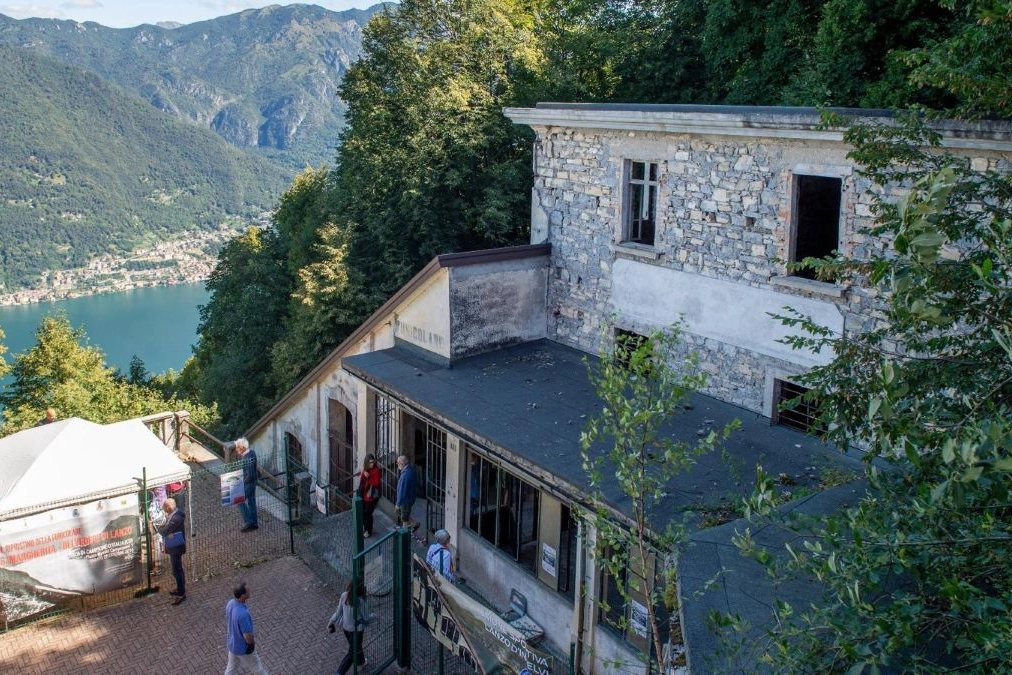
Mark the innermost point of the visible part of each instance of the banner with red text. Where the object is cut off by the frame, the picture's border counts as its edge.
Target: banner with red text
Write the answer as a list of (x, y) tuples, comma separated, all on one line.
[(72, 550)]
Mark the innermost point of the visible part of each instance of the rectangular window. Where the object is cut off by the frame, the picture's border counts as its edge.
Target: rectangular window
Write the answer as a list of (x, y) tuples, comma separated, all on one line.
[(816, 219), (640, 203), (503, 510), (567, 552), (623, 600), (790, 410)]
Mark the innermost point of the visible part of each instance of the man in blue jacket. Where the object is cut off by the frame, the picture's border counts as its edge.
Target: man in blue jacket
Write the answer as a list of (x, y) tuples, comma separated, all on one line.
[(248, 508), (406, 492), (174, 540)]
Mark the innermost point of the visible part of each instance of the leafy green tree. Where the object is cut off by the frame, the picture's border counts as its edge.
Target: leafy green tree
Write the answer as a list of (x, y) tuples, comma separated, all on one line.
[(63, 372), (916, 575), (857, 59), (239, 325), (641, 392), (428, 162)]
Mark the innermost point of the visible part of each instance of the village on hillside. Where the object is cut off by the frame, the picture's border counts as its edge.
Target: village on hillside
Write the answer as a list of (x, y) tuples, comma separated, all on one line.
[(178, 261)]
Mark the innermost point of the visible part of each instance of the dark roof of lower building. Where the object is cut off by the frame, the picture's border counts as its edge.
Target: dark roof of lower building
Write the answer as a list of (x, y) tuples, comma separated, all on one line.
[(529, 403)]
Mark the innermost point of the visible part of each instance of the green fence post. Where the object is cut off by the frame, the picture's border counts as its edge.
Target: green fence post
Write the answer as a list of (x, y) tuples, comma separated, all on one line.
[(147, 532), (288, 498), (402, 598)]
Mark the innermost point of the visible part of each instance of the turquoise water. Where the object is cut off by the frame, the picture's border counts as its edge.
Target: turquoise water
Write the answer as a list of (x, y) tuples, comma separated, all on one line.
[(158, 324)]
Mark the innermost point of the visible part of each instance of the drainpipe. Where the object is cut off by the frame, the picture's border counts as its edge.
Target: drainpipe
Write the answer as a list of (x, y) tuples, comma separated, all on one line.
[(581, 595)]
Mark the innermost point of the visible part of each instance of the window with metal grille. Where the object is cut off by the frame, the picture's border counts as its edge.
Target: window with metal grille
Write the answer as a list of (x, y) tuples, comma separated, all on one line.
[(791, 410), (387, 443), (640, 203)]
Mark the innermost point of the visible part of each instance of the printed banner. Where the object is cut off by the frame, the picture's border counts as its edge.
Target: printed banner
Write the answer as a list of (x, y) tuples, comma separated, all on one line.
[(231, 488), (471, 630), (73, 550)]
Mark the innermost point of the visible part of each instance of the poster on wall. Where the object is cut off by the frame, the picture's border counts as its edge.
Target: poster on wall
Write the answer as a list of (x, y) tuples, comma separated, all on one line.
[(548, 557), (231, 488), (638, 618), (48, 557)]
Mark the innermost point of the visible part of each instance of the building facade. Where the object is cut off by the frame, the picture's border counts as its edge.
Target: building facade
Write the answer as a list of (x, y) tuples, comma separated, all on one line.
[(642, 216)]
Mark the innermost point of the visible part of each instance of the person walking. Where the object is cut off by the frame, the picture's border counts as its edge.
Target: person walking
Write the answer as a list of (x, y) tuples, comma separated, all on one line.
[(440, 557), (406, 492), (240, 639), (352, 625), (173, 534), (369, 490), (248, 507)]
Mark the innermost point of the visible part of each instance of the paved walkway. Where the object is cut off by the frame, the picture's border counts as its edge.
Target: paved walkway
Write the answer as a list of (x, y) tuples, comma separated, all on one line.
[(290, 607)]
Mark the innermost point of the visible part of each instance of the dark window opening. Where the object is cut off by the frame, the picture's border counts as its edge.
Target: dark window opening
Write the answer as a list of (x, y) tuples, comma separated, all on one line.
[(791, 410), (641, 209), (567, 552), (504, 511), (626, 344), (817, 219)]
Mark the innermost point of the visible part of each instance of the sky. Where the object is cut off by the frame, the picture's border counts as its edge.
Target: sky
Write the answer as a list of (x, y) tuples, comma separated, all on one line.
[(128, 13)]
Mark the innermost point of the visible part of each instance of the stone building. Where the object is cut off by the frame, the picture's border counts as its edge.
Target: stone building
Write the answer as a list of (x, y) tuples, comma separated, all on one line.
[(477, 369)]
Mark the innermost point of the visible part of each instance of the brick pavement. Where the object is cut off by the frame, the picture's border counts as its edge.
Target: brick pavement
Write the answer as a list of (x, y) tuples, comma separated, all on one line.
[(290, 607)]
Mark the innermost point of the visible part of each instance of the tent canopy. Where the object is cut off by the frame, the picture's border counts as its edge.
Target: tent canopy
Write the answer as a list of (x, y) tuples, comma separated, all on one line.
[(73, 460)]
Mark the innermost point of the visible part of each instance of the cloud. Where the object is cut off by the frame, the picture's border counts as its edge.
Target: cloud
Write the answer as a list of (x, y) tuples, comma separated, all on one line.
[(82, 4)]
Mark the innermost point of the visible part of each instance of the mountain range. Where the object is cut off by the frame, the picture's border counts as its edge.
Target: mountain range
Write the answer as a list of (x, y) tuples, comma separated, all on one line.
[(110, 138)]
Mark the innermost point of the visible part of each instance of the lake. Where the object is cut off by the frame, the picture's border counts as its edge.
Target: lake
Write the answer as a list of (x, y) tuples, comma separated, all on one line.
[(158, 324)]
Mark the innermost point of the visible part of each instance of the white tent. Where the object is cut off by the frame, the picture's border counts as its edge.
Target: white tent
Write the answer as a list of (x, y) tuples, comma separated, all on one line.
[(72, 461)]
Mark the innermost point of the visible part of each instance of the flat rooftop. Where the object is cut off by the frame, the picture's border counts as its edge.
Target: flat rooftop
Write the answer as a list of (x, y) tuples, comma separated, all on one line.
[(531, 402)]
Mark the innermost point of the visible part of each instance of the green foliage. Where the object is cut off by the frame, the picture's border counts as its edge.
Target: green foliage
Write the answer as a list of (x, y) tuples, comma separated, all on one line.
[(239, 325), (63, 372), (916, 574), (85, 170), (641, 391), (428, 162)]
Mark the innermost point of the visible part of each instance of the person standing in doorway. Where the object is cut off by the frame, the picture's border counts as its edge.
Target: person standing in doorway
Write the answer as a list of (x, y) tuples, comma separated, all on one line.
[(353, 626), (406, 492), (248, 507), (173, 534), (240, 639), (369, 489)]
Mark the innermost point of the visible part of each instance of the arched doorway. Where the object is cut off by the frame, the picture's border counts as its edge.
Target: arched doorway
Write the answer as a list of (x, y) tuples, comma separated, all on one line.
[(340, 433)]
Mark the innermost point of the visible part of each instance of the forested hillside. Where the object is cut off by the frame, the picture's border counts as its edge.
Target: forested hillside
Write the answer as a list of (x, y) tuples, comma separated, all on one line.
[(263, 79), (85, 168)]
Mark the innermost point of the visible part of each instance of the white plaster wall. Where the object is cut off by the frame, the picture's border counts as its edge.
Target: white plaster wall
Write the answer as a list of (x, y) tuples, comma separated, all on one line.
[(495, 574), (729, 312), (423, 319)]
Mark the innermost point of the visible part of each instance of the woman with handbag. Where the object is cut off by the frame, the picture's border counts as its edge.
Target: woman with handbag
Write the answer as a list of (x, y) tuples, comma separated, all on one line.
[(369, 490), (174, 540), (353, 627)]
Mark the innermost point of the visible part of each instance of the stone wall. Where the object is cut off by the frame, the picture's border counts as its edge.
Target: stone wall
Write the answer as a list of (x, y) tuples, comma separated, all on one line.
[(724, 213)]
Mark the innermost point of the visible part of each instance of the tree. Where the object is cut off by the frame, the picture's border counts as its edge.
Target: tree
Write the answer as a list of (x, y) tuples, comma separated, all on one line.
[(916, 575), (641, 391), (239, 325), (428, 162), (63, 372)]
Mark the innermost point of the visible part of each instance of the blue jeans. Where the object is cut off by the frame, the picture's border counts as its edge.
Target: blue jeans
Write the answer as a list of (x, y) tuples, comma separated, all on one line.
[(248, 508)]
